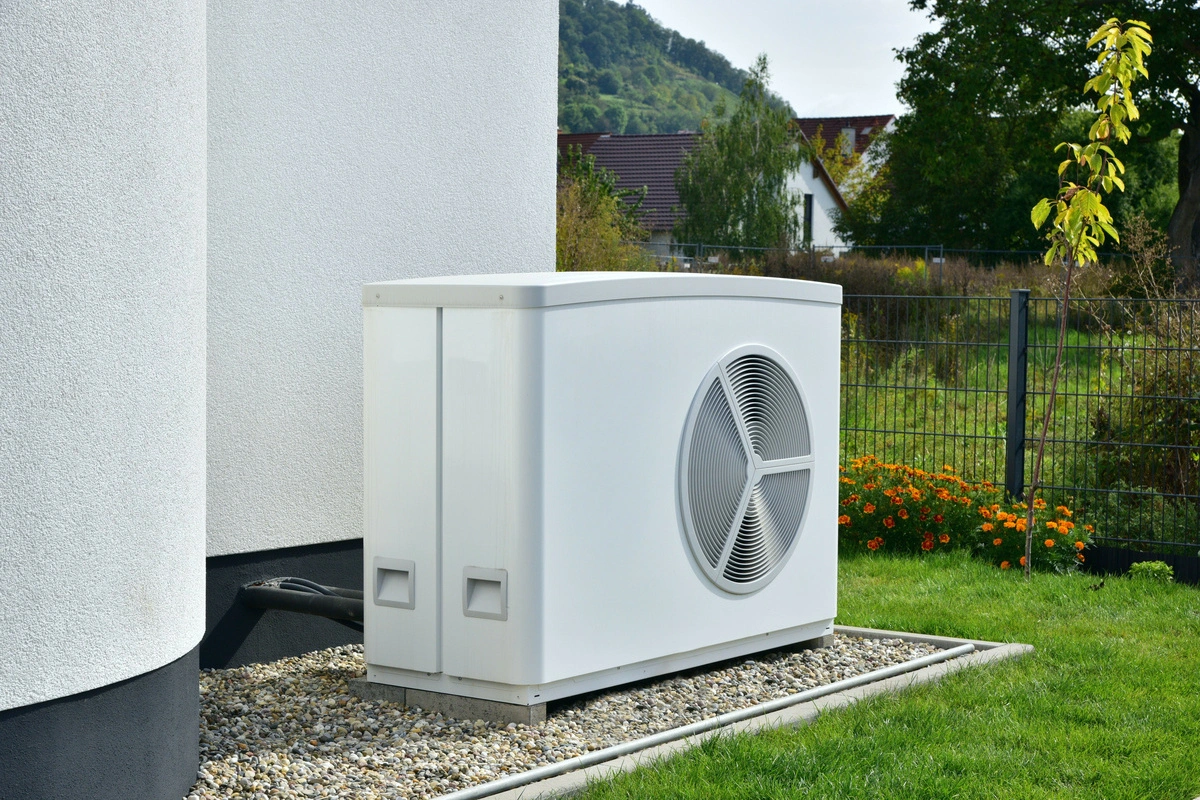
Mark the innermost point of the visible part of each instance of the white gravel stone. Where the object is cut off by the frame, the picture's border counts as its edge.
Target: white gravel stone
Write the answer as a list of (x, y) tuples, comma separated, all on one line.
[(290, 728)]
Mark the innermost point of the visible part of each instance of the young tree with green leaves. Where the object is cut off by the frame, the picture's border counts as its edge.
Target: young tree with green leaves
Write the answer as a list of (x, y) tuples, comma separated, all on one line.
[(733, 186), (1080, 223)]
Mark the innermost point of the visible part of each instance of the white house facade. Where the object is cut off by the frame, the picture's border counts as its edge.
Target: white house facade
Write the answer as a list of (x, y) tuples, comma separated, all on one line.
[(194, 194)]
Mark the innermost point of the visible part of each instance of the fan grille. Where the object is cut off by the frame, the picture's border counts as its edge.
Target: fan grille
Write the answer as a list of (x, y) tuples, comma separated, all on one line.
[(746, 471)]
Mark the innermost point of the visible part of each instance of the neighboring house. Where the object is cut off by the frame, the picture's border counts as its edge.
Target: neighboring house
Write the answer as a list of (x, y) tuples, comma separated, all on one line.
[(651, 160), (859, 131)]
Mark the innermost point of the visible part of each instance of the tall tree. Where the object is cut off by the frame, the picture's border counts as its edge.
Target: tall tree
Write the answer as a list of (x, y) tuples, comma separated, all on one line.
[(996, 83), (733, 186)]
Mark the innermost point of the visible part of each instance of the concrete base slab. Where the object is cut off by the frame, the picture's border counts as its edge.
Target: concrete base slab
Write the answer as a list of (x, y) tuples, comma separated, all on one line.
[(818, 643), (449, 705)]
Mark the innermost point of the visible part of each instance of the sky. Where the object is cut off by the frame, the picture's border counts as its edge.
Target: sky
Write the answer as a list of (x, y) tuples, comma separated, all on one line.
[(827, 58)]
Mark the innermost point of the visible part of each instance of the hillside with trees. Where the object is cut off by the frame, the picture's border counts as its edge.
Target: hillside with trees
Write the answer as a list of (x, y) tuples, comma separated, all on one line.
[(621, 71)]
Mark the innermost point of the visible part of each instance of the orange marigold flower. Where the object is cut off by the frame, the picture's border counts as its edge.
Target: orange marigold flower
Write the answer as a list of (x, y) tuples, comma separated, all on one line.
[(928, 536), (997, 542), (1039, 503), (938, 518), (844, 519), (847, 501), (873, 545), (1066, 512), (947, 468), (902, 513), (985, 513), (868, 486), (898, 501), (995, 506), (1089, 529), (925, 509), (1064, 530), (1066, 523), (924, 517), (889, 492), (888, 522), (987, 527), (846, 481), (1049, 543), (927, 544), (1052, 525), (1005, 565), (1079, 545), (1022, 562), (869, 509), (1020, 525), (944, 538), (1079, 556), (1010, 524)]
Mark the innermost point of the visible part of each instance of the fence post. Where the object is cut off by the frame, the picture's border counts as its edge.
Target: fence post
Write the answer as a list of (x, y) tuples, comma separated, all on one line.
[(1014, 435)]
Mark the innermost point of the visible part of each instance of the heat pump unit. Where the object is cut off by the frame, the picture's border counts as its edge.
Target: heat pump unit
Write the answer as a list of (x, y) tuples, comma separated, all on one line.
[(579, 480)]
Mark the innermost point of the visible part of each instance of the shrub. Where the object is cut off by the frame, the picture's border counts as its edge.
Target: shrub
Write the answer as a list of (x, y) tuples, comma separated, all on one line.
[(900, 509), (1152, 571)]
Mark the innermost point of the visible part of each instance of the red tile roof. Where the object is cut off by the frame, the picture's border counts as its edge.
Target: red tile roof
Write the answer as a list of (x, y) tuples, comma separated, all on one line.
[(649, 160), (864, 127)]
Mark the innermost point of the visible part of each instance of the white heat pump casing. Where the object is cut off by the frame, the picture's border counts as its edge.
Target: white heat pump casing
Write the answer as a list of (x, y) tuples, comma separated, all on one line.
[(525, 538)]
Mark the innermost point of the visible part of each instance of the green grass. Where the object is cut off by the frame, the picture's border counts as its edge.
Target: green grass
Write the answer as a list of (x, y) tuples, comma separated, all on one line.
[(1107, 707)]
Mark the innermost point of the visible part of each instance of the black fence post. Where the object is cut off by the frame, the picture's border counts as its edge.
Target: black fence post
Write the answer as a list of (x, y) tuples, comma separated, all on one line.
[(1014, 434)]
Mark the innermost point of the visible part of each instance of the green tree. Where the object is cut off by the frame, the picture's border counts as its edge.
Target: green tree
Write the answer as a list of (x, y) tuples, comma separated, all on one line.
[(733, 186), (994, 86), (597, 223)]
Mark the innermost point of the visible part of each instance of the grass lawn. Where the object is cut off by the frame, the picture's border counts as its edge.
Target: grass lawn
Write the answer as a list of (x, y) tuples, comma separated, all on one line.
[(1108, 706)]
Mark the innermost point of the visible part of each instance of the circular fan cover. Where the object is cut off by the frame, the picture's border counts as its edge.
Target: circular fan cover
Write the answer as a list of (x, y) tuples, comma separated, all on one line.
[(744, 469)]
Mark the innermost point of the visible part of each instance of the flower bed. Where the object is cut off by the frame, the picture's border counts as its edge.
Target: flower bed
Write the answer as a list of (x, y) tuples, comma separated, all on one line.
[(900, 509)]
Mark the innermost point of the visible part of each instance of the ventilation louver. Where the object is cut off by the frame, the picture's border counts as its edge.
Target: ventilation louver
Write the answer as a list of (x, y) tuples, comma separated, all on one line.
[(745, 469)]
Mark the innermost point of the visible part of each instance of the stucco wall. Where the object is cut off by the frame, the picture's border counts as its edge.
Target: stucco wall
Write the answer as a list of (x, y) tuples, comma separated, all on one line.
[(102, 319), (349, 144), (825, 209)]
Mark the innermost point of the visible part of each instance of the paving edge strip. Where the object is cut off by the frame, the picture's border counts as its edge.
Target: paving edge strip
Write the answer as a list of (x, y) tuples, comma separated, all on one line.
[(798, 714)]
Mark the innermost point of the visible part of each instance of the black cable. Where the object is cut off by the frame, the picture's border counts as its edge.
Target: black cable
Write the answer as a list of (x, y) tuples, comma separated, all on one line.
[(344, 606), (309, 584)]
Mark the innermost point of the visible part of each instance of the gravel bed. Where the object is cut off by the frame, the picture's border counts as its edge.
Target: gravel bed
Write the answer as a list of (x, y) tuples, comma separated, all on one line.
[(290, 729)]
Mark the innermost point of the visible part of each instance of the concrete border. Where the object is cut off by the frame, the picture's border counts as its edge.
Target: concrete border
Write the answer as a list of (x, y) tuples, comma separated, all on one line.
[(985, 653)]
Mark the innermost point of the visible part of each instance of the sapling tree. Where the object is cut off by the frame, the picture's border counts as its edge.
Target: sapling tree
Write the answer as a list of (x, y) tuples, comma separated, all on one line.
[(1079, 221)]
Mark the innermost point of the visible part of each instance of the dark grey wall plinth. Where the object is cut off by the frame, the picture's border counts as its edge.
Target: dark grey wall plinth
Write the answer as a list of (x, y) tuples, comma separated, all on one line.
[(139, 738), (1105, 560), (236, 635)]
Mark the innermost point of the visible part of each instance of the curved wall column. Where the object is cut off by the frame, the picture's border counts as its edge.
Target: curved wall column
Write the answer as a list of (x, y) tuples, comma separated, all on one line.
[(102, 346)]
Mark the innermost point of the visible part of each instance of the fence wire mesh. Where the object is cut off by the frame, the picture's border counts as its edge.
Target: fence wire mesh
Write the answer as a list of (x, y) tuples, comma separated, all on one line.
[(925, 382)]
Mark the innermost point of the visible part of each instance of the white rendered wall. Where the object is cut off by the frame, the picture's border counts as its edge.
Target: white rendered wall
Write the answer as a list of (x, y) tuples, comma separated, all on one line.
[(826, 207), (351, 143), (102, 318)]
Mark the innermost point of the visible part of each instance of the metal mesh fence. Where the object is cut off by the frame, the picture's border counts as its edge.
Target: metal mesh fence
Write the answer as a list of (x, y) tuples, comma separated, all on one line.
[(926, 382)]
